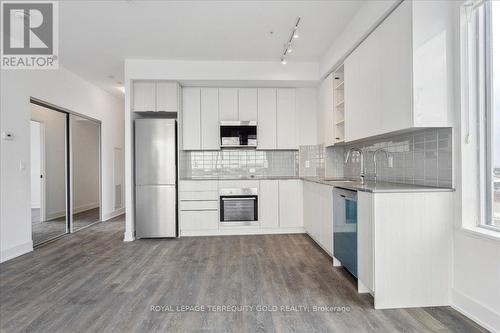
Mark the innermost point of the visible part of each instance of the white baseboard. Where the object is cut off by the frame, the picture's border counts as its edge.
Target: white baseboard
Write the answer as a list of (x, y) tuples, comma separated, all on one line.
[(16, 251), (109, 216), (83, 208), (477, 312), (246, 231)]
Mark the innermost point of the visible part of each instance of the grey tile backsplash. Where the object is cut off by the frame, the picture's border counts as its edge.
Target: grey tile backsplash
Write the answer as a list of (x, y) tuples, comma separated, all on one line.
[(238, 162), (422, 157)]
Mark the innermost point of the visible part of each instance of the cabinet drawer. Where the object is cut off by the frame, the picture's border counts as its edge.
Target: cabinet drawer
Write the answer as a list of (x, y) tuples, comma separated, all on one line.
[(198, 220), (197, 185), (198, 205), (195, 196)]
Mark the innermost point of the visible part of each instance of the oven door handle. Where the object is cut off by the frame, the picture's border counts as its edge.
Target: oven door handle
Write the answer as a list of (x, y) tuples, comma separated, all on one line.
[(237, 199)]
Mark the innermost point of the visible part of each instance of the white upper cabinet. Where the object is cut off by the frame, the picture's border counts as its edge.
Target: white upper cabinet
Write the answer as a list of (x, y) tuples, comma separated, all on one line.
[(191, 126), (378, 80), (210, 119), (286, 119), (155, 96), (167, 96), (306, 101), (266, 108), (228, 104), (433, 24), (144, 96), (247, 102), (399, 77)]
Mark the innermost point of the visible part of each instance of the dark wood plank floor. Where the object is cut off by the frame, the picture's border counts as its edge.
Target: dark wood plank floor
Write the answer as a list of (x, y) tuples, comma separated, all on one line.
[(92, 281)]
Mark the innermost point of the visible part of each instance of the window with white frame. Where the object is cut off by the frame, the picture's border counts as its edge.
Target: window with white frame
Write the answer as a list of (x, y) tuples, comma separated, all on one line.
[(483, 100), (493, 113)]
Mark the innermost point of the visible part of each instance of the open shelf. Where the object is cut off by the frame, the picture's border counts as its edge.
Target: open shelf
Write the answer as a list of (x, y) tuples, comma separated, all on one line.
[(338, 110)]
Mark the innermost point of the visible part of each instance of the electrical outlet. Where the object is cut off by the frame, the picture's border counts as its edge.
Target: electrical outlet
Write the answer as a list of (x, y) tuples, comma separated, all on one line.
[(252, 170)]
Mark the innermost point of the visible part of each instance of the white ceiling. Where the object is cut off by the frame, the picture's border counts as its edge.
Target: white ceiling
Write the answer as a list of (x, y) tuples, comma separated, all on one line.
[(96, 36)]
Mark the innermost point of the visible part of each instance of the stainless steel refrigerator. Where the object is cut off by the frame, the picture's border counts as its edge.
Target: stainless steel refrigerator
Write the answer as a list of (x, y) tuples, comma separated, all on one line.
[(155, 178)]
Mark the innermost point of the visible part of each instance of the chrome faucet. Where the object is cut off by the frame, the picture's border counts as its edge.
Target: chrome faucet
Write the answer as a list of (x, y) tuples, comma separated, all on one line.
[(362, 163), (375, 160)]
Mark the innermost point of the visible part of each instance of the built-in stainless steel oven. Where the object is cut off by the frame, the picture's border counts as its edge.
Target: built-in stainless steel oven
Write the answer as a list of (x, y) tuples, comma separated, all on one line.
[(238, 206)]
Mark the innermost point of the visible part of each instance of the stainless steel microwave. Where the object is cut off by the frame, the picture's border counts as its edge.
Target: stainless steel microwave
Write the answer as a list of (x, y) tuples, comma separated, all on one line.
[(238, 134)]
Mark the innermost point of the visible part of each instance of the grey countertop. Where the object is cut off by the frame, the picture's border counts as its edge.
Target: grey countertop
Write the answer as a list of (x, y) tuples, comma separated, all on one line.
[(378, 187), (255, 177), (369, 186)]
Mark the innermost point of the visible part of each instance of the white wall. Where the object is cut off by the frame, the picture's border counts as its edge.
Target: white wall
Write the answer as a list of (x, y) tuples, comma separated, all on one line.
[(35, 156), (55, 159), (241, 71), (85, 148), (64, 89)]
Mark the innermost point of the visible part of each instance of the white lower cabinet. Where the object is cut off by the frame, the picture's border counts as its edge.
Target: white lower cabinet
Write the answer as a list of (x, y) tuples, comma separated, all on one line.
[(326, 215), (365, 243), (198, 220), (269, 204), (198, 206), (318, 214), (279, 207), (290, 203), (404, 248)]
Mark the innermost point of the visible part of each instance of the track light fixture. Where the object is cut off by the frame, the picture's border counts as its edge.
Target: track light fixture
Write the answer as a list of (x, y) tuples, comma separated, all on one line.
[(289, 44)]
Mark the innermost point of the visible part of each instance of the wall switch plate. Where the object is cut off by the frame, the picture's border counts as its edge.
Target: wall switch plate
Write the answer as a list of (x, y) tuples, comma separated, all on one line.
[(307, 164), (251, 170), (22, 165), (7, 135)]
